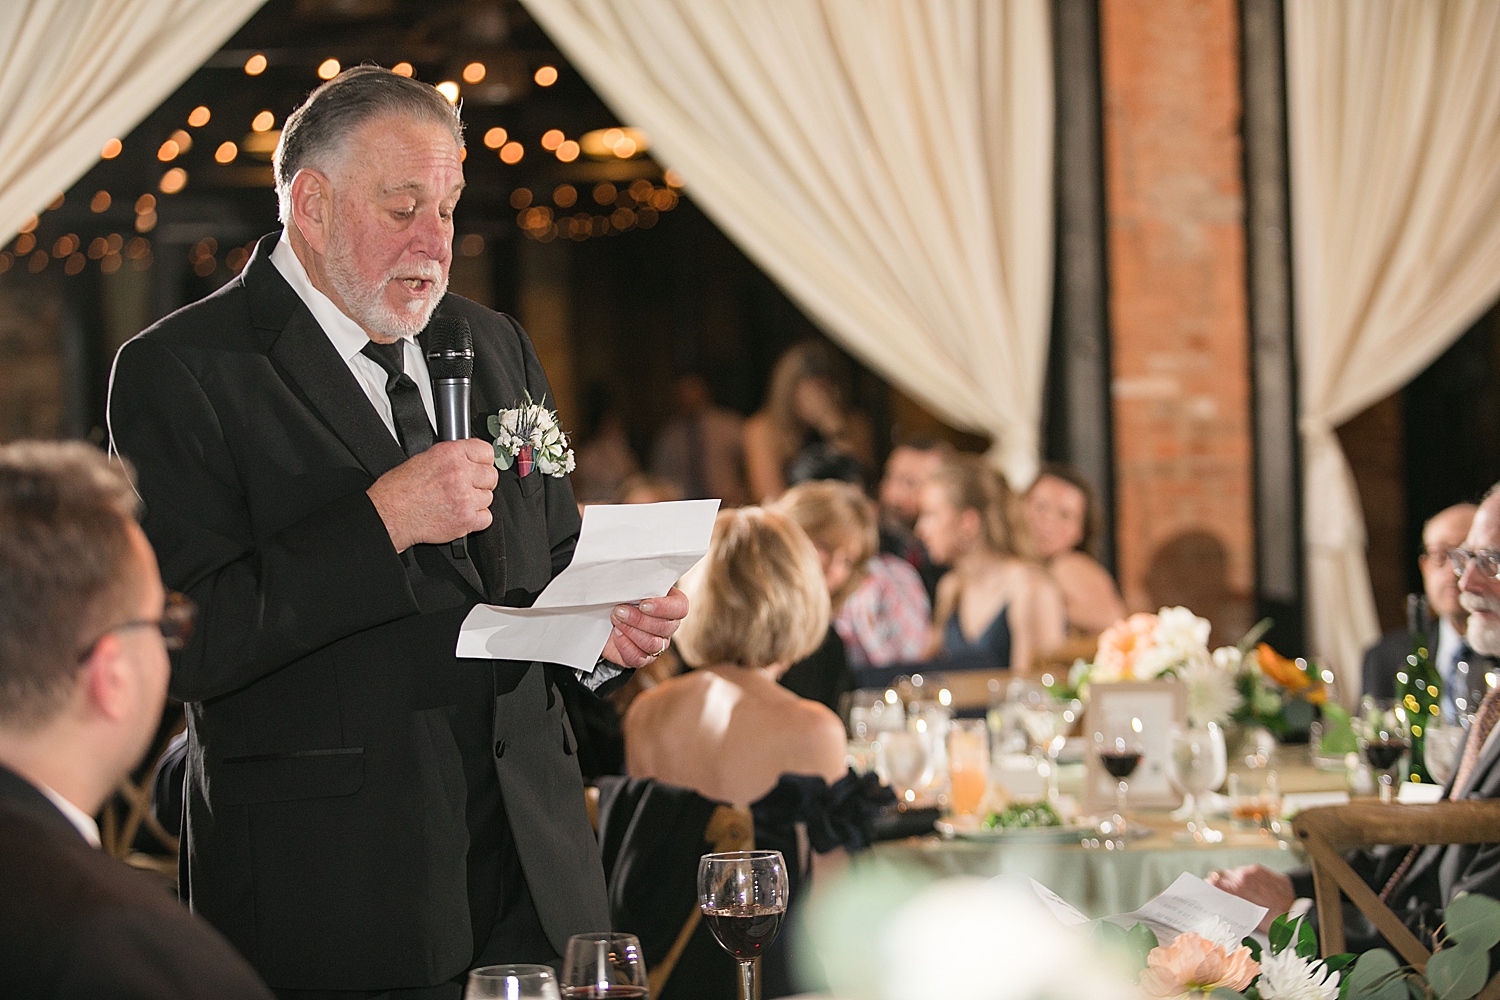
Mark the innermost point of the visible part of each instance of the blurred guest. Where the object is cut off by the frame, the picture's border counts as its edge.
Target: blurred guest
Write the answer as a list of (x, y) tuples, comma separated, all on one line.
[(992, 600), (1463, 670), (702, 448), (805, 405), (727, 730), (646, 488), (907, 469), (1062, 520), (84, 632), (880, 610), (605, 459)]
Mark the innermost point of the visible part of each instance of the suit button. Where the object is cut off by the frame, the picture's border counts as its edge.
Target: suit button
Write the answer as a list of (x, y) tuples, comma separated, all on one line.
[(499, 749)]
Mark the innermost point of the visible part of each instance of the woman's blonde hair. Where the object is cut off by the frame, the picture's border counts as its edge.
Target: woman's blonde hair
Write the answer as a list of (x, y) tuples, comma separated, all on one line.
[(835, 516), (971, 483), (758, 597), (808, 359)]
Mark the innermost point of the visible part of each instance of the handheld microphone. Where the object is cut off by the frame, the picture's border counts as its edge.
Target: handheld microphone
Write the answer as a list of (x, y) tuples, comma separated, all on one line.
[(450, 363)]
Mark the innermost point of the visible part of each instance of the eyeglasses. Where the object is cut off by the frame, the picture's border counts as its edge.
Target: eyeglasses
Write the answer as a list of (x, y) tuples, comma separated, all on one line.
[(1438, 555), (1487, 561), (175, 623)]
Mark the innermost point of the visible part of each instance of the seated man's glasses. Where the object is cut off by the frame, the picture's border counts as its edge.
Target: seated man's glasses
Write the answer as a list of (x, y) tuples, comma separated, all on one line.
[(1487, 561), (175, 623)]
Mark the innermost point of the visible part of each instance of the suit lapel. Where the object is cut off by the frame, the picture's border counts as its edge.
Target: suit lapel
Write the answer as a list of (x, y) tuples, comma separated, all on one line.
[(307, 360)]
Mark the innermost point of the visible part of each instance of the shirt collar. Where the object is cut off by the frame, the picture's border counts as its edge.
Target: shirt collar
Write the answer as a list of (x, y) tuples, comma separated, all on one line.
[(348, 337), (85, 824)]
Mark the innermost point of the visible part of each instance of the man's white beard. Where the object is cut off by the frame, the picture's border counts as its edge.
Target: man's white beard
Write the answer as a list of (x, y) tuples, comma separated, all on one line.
[(366, 303), (1484, 637)]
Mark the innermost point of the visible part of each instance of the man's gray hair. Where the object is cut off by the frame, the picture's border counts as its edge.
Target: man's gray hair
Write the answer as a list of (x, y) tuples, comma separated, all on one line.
[(316, 131)]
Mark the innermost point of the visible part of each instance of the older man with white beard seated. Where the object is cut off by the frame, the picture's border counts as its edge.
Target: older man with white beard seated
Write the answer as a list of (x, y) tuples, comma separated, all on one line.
[(1419, 882)]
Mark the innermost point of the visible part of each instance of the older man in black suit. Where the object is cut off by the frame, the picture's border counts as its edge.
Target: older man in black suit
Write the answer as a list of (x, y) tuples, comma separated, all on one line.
[(83, 674), (1417, 883), (366, 813)]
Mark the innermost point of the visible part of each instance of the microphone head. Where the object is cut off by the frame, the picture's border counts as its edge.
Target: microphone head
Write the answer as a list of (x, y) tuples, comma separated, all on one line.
[(450, 348)]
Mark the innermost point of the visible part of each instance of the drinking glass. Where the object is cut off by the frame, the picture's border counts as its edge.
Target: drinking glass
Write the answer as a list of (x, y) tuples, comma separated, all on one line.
[(903, 762), (1119, 748), (871, 711), (968, 764), (1048, 724), (1199, 764), (1383, 741), (602, 964), (743, 895), (512, 982), (1443, 742)]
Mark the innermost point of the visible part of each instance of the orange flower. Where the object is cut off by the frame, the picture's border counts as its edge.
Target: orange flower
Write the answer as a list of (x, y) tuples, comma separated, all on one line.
[(1121, 644), (1281, 670), (1194, 965)]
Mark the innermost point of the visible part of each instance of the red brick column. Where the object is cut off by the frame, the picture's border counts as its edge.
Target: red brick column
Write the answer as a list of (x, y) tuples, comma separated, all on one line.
[(1175, 207)]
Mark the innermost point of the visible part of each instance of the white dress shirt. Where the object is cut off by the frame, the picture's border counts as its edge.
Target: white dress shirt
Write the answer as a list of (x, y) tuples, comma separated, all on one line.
[(80, 819), (349, 339)]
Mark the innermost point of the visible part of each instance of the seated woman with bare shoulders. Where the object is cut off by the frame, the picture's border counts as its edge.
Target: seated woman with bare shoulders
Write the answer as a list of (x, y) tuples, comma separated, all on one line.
[(992, 600), (727, 730), (1062, 517)]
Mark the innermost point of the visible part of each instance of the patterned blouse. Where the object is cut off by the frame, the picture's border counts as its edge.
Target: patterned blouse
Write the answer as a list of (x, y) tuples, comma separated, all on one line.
[(887, 618)]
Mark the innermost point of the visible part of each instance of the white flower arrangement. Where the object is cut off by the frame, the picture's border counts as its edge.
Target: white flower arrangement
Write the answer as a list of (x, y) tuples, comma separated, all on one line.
[(527, 436), (1171, 644)]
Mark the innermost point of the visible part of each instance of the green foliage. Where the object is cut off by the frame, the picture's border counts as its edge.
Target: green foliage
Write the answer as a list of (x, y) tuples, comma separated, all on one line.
[(1307, 940), (1338, 731), (1140, 939), (1254, 947), (1459, 972), (1473, 921), (1281, 933), (1376, 976)]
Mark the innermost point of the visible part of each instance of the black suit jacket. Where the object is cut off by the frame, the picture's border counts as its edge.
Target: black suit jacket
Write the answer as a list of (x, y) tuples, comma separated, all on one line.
[(74, 922), (1388, 656), (337, 747), (1439, 872)]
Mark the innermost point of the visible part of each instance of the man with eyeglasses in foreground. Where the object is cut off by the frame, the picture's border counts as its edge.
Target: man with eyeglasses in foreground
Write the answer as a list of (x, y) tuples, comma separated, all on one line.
[(1417, 883), (1466, 674), (84, 631)]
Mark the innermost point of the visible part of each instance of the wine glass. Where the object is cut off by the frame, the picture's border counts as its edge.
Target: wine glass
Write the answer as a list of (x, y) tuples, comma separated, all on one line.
[(1441, 748), (512, 982), (902, 760), (1383, 740), (1199, 764), (968, 764), (743, 895), (1048, 725), (602, 964), (1118, 745)]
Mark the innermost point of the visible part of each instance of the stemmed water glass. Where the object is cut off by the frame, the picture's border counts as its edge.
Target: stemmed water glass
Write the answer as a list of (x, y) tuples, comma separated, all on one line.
[(512, 982), (1383, 740), (1048, 725), (1119, 748), (743, 895), (1199, 764), (601, 965)]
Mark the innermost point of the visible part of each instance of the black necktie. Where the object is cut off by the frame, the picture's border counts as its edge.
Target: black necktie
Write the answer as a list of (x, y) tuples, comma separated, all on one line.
[(413, 429)]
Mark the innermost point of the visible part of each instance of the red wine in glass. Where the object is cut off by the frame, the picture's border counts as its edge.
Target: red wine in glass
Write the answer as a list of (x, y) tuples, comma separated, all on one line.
[(1120, 764), (745, 931), (1385, 754)]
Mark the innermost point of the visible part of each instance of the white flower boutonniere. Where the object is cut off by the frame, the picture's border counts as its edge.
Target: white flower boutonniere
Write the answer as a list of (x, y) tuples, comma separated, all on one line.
[(528, 437)]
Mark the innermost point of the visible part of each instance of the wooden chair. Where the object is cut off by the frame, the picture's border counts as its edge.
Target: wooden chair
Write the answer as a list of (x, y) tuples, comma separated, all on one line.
[(1327, 831)]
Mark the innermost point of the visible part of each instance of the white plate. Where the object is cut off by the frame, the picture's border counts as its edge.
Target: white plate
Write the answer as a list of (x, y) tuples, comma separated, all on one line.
[(968, 828)]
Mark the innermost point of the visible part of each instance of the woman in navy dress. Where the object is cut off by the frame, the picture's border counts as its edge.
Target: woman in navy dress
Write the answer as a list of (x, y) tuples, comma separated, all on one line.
[(992, 600)]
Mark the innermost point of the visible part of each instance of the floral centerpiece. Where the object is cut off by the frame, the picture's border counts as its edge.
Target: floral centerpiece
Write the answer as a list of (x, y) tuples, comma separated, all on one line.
[(1281, 694), (1169, 645)]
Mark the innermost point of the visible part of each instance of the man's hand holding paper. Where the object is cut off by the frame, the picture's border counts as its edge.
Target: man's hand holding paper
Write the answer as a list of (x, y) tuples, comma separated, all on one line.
[(626, 554)]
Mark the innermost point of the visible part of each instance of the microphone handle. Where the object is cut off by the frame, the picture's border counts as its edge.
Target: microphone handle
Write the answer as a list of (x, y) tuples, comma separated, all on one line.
[(450, 398)]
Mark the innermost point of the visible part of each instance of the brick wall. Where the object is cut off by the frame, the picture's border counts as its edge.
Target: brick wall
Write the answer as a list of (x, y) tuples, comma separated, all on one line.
[(1175, 206)]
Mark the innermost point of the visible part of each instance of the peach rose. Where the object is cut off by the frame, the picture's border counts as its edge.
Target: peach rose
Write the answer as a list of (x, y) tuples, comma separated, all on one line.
[(1193, 965), (1121, 644)]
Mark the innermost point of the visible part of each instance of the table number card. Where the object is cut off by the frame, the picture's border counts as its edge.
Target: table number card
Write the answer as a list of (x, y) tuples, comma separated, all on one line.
[(1158, 705)]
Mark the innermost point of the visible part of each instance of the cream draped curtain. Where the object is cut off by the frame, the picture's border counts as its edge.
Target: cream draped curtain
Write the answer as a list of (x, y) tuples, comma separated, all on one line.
[(888, 163), (76, 73), (1394, 110)]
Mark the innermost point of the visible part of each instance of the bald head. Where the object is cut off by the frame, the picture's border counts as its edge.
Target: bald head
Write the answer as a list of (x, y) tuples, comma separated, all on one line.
[(1444, 531), (1479, 590)]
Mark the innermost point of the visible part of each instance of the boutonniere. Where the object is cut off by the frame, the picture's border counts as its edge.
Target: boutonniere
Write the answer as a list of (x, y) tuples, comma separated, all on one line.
[(528, 437)]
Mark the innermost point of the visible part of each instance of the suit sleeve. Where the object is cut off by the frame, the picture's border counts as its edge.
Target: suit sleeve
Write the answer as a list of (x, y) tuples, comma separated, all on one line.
[(264, 602), (134, 954)]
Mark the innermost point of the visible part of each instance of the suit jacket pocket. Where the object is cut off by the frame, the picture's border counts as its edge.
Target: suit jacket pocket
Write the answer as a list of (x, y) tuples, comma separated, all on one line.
[(530, 484), (287, 776)]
